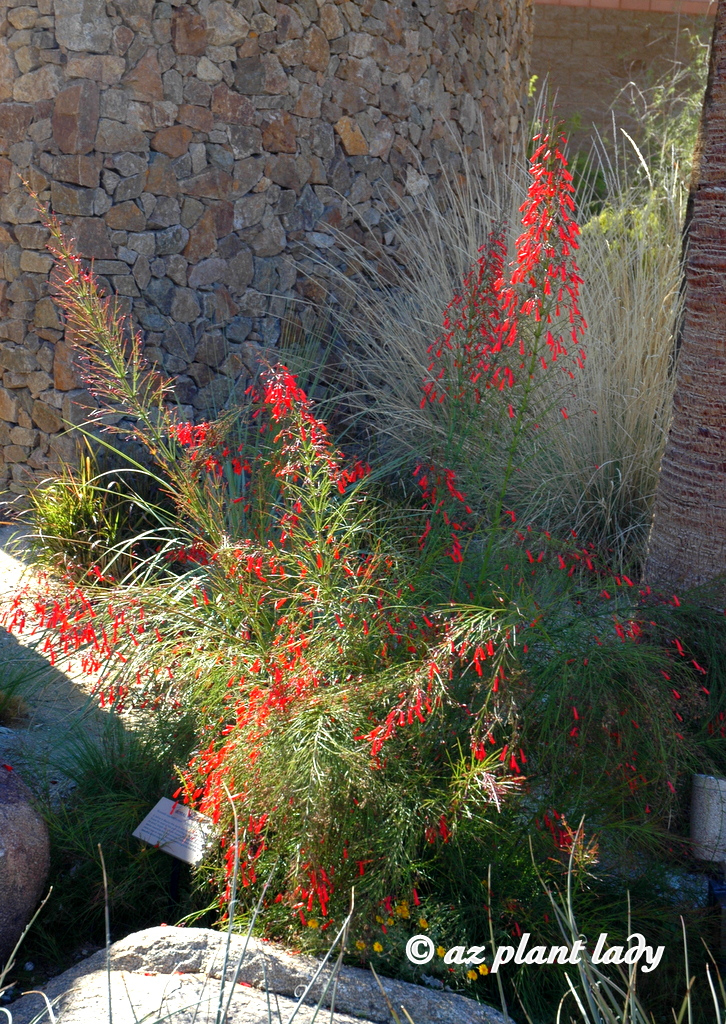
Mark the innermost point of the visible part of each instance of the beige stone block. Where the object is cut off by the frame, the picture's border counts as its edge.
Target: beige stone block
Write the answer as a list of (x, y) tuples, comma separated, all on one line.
[(173, 141), (65, 377), (23, 436), (46, 314), (331, 22), (16, 453), (316, 51), (351, 136), (143, 82), (126, 217), (81, 26), (227, 26), (8, 71), (8, 406), (75, 117), (36, 262), (188, 31), (43, 84), (107, 70), (23, 17)]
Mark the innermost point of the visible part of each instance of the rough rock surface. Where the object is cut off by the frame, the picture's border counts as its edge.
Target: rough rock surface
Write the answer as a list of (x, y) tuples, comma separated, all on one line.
[(24, 859), (164, 969), (205, 153)]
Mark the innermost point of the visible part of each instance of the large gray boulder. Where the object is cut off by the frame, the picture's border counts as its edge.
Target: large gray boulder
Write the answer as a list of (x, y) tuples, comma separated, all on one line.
[(24, 859), (162, 971)]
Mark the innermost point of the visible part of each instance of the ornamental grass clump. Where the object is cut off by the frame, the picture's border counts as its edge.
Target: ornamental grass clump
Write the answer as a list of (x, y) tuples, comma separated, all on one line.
[(395, 694), (598, 478), (513, 339), (94, 517)]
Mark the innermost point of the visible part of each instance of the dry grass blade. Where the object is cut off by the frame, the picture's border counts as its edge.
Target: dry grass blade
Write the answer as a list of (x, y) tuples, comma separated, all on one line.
[(108, 933), (343, 932), (691, 981), (630, 259), (11, 960), (721, 988), (576, 997), (48, 1006), (716, 1006), (493, 943), (221, 1009), (392, 1012), (601, 999), (397, 302)]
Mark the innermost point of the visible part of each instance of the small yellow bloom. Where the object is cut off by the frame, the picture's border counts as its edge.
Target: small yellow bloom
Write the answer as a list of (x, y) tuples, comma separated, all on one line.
[(440, 951), (377, 947), (389, 920), (483, 969), (360, 944), (379, 919), (402, 910), (472, 975), (312, 923), (422, 922)]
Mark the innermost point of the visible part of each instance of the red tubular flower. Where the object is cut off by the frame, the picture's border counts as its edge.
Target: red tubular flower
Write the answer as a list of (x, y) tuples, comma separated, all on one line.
[(486, 318), (190, 435)]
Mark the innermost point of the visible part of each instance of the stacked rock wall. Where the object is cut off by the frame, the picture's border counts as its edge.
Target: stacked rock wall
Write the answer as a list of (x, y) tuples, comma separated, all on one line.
[(202, 154)]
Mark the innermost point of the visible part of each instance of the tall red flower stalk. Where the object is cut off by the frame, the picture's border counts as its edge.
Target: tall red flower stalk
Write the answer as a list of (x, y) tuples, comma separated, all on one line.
[(511, 325)]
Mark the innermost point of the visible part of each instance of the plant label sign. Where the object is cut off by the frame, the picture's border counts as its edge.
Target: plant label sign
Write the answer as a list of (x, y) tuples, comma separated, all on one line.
[(176, 830)]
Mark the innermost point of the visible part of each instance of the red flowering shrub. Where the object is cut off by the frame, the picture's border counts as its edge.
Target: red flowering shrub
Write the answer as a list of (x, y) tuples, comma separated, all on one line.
[(373, 686)]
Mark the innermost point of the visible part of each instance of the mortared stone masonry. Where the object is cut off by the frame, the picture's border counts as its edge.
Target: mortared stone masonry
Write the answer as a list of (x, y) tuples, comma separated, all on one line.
[(203, 153)]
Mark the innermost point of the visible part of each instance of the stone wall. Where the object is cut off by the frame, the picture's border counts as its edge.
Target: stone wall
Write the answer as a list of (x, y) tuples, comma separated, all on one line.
[(203, 153)]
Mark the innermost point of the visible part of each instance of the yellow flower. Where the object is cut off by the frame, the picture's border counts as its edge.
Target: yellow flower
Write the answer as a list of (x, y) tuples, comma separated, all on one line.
[(360, 944), (440, 951), (422, 922), (312, 923), (379, 919), (483, 969), (472, 975), (377, 947), (402, 910), (389, 920)]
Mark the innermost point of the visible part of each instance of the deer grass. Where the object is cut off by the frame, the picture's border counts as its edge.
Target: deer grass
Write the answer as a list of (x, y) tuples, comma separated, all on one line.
[(106, 513), (21, 677)]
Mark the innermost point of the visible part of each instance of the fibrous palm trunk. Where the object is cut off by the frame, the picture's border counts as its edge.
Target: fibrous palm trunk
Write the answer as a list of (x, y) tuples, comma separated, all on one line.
[(688, 537)]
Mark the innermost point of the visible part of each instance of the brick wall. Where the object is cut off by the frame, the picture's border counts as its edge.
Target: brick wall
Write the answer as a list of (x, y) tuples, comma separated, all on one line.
[(590, 53)]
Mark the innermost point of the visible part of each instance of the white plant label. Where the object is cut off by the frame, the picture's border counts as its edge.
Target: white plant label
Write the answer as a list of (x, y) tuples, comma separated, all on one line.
[(176, 830)]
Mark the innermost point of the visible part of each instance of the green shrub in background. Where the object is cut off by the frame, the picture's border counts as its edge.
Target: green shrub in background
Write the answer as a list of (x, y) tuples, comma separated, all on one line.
[(97, 517), (665, 112)]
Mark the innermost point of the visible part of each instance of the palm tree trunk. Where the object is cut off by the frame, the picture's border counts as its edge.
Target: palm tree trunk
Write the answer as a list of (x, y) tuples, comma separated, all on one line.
[(688, 537)]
